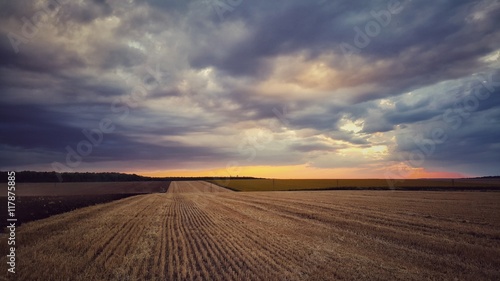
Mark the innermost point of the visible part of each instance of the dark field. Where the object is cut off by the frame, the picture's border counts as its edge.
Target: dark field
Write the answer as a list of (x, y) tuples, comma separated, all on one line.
[(87, 188), (36, 201), (30, 208)]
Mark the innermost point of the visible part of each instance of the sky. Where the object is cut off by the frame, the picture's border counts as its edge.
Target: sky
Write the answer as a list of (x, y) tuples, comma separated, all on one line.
[(285, 89)]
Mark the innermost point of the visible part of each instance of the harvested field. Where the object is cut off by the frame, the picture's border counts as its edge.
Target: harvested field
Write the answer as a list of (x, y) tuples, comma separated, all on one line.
[(358, 184), (322, 235)]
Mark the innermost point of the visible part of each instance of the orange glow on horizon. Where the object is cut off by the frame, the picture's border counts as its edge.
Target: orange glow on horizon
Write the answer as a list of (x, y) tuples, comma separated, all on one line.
[(296, 172)]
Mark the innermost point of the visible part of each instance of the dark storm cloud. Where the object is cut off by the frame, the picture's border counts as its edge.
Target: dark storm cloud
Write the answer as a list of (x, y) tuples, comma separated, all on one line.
[(310, 147), (41, 59), (179, 6), (89, 55), (281, 28), (473, 149), (39, 136), (318, 121), (86, 13), (446, 45), (113, 148), (119, 56), (469, 98), (349, 137), (377, 126), (31, 126), (411, 116), (118, 147), (468, 143)]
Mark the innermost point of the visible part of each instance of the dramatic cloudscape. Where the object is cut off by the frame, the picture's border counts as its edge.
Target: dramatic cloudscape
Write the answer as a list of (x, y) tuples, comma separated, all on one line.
[(288, 89)]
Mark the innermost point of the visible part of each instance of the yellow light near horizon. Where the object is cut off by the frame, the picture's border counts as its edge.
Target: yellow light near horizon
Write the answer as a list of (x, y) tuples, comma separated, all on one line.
[(303, 171)]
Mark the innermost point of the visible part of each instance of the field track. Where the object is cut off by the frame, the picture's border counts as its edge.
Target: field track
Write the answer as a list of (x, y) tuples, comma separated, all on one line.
[(195, 186), (191, 234)]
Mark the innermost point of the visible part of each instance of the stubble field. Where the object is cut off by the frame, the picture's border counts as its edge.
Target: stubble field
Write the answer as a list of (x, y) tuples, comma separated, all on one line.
[(477, 184), (194, 232)]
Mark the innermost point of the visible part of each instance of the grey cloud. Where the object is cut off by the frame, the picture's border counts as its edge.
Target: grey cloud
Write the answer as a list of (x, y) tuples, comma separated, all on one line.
[(86, 12), (33, 127), (52, 90), (309, 147), (475, 144), (377, 125)]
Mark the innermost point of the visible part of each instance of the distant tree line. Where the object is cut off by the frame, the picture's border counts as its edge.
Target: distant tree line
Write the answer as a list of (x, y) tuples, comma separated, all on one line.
[(205, 178), (32, 176)]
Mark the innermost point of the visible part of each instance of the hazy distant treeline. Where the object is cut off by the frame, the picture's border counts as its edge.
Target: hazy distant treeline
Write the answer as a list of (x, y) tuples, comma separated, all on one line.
[(32, 176)]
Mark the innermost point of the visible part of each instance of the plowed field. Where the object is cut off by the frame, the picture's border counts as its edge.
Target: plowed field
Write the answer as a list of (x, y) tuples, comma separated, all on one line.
[(191, 234)]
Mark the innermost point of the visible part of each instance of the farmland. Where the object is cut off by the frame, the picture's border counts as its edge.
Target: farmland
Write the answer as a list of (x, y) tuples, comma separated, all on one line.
[(41, 200), (199, 231), (357, 184), (87, 188)]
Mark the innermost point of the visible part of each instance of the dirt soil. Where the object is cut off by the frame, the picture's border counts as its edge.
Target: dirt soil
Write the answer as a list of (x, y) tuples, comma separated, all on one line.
[(36, 201), (307, 235)]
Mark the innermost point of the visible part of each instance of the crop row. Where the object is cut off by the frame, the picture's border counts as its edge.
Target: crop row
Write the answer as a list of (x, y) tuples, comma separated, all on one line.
[(323, 235)]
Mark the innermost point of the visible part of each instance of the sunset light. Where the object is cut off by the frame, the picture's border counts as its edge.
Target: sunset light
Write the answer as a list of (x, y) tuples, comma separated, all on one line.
[(289, 90), (259, 140)]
